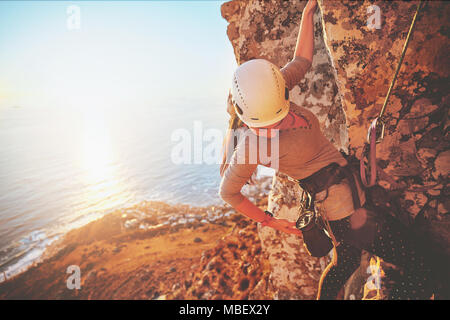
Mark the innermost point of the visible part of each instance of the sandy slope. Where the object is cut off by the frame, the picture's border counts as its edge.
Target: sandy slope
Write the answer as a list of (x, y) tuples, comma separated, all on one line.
[(208, 253)]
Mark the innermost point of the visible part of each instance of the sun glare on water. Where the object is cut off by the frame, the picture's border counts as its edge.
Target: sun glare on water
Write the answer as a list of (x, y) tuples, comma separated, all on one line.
[(102, 178)]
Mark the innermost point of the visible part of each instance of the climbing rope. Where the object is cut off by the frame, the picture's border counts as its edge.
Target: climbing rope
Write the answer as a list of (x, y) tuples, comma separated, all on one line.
[(376, 131), (405, 46), (334, 259), (377, 127)]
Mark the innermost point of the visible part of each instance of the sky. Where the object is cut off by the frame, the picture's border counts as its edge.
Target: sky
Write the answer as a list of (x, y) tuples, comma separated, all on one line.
[(113, 53)]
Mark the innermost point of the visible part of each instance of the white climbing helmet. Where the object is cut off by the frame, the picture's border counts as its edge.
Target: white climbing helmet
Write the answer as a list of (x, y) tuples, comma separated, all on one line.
[(259, 93)]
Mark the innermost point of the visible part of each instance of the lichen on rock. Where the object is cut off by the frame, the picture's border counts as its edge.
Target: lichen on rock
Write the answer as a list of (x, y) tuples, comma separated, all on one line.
[(346, 86)]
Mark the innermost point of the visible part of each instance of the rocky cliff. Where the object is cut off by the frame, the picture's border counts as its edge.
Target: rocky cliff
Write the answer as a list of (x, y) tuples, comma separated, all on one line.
[(352, 69)]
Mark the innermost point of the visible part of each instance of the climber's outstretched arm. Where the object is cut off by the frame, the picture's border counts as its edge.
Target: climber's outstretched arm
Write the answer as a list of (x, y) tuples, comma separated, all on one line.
[(236, 174), (305, 40)]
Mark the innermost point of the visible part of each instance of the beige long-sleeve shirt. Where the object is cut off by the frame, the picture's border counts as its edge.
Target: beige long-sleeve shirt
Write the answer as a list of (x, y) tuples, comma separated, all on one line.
[(300, 152)]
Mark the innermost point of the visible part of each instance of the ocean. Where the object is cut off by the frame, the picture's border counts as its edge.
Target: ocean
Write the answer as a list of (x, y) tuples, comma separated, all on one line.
[(63, 167)]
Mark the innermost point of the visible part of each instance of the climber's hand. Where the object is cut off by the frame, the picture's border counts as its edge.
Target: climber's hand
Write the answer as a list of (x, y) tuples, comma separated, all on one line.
[(282, 225), (311, 6)]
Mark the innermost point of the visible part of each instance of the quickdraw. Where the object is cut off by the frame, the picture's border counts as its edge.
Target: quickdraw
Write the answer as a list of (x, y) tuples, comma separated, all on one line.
[(306, 211), (377, 128)]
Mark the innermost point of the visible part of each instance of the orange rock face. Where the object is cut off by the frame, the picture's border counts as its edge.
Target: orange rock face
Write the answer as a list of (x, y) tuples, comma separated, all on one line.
[(417, 142), (352, 70)]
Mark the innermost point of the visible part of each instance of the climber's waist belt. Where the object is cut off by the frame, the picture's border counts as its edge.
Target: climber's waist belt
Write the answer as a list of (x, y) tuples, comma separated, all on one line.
[(326, 177), (322, 179), (316, 231)]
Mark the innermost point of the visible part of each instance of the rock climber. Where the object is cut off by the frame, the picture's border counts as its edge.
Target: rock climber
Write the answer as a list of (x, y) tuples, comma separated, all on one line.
[(259, 105)]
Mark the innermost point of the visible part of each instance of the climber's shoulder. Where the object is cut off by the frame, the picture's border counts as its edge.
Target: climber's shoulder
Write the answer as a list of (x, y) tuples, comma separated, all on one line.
[(303, 112), (295, 70)]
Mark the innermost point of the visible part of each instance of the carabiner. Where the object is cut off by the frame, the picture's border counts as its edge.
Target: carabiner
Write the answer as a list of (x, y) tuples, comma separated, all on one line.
[(378, 128)]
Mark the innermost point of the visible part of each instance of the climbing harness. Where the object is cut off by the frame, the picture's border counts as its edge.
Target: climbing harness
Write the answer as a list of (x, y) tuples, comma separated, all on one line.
[(377, 128), (317, 234), (345, 173)]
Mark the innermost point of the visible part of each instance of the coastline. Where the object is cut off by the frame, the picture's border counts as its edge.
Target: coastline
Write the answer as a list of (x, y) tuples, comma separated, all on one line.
[(153, 250)]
